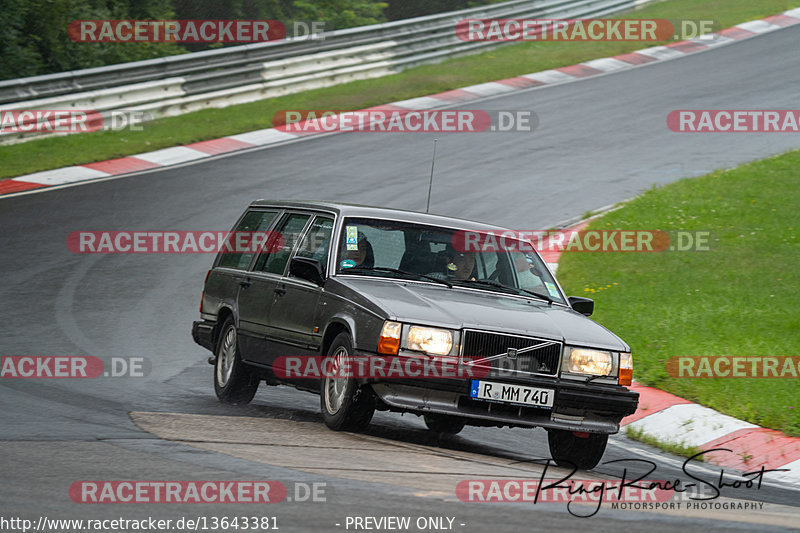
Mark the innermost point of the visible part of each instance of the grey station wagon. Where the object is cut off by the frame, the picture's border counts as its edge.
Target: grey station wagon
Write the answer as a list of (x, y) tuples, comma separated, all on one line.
[(376, 308)]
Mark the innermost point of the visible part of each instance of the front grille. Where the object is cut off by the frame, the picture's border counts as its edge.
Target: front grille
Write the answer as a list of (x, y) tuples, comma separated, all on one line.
[(488, 350)]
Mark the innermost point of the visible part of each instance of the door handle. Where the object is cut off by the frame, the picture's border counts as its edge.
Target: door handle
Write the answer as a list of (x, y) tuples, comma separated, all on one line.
[(280, 291), (245, 283)]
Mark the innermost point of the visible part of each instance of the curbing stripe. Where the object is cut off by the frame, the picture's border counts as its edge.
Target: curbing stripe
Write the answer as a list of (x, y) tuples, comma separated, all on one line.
[(550, 76), (262, 137), (736, 33), (171, 156), (689, 425), (793, 474), (782, 20), (580, 71), (794, 13), (651, 401), (661, 52), (489, 89), (456, 95), (421, 102), (607, 64), (718, 40), (115, 167), (754, 448), (60, 176), (520, 82), (687, 47), (635, 58), (219, 146), (757, 26), (14, 185)]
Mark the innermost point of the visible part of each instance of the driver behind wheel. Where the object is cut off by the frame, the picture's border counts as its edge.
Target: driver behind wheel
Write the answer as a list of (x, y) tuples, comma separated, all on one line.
[(457, 265)]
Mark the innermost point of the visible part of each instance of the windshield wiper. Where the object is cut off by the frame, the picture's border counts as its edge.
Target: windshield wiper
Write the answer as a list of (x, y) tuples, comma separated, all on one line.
[(493, 283), (398, 271)]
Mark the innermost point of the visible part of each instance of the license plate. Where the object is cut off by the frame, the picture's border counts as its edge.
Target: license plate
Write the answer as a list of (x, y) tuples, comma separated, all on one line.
[(505, 392)]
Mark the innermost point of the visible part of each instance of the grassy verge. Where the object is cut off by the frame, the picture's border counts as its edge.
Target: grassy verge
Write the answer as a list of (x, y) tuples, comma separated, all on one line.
[(504, 62), (741, 298)]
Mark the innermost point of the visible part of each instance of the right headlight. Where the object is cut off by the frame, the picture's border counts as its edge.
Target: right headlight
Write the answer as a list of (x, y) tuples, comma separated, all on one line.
[(430, 340), (586, 361)]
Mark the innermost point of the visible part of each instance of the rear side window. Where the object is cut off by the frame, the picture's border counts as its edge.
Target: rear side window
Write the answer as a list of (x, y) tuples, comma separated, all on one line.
[(274, 261), (252, 221)]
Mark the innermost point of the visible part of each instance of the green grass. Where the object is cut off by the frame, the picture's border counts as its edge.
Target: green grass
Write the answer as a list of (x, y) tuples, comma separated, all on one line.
[(504, 62), (740, 298)]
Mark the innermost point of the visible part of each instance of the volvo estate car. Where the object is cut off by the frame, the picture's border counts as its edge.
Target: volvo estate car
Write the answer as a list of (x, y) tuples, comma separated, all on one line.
[(382, 309)]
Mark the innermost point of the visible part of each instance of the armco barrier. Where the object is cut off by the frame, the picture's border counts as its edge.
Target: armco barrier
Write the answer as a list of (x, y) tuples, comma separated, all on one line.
[(183, 83)]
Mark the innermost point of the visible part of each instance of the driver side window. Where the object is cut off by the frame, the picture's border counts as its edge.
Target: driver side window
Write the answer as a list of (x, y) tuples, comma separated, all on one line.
[(317, 241)]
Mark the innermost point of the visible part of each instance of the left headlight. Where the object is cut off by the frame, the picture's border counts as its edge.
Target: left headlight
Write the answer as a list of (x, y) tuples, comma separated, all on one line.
[(430, 340), (585, 361)]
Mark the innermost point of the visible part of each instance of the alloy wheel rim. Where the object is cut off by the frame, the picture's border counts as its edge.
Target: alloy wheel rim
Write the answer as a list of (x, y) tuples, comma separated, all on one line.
[(227, 356), (335, 387)]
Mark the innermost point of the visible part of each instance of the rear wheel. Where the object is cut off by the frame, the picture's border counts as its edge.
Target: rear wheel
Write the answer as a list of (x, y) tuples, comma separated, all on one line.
[(233, 383), (581, 450), (449, 425), (345, 406)]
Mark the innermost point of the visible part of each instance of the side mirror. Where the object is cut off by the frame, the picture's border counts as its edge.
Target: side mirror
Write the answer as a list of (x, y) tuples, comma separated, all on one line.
[(584, 306), (307, 269)]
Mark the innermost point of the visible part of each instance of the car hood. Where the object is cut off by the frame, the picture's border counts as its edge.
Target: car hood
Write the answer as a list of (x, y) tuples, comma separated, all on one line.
[(457, 308)]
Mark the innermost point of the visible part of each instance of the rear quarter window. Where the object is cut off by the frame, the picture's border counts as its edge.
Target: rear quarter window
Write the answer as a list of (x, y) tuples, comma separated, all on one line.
[(252, 221)]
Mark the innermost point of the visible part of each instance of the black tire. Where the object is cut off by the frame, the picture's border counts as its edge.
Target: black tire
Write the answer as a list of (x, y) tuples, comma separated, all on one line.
[(233, 384), (570, 451), (344, 404), (449, 425)]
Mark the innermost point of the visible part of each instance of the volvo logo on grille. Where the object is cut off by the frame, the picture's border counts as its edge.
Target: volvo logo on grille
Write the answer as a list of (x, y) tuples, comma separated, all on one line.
[(511, 353)]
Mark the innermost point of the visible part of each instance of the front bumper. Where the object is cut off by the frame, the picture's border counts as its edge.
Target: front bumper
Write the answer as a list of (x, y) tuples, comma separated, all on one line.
[(576, 406)]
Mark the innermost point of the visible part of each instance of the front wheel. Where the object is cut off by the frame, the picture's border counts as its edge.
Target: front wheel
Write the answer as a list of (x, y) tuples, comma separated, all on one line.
[(345, 406), (571, 450), (233, 383)]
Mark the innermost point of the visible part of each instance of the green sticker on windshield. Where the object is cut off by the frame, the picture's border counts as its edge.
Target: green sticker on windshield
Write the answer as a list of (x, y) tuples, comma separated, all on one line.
[(551, 288), (347, 263)]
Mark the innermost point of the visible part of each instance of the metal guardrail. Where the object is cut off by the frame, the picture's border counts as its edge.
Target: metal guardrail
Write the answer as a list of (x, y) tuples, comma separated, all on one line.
[(183, 83)]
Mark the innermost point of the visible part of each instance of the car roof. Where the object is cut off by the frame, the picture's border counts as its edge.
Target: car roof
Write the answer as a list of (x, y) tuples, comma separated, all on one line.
[(366, 211)]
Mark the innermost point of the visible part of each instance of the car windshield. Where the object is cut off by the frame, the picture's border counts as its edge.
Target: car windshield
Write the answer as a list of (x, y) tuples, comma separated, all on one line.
[(463, 258)]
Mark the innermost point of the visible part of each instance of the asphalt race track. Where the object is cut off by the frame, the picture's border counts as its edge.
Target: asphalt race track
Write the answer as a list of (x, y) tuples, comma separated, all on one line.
[(599, 141)]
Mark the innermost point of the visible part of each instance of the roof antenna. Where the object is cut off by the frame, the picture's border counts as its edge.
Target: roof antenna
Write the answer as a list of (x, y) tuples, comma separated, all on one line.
[(430, 185)]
